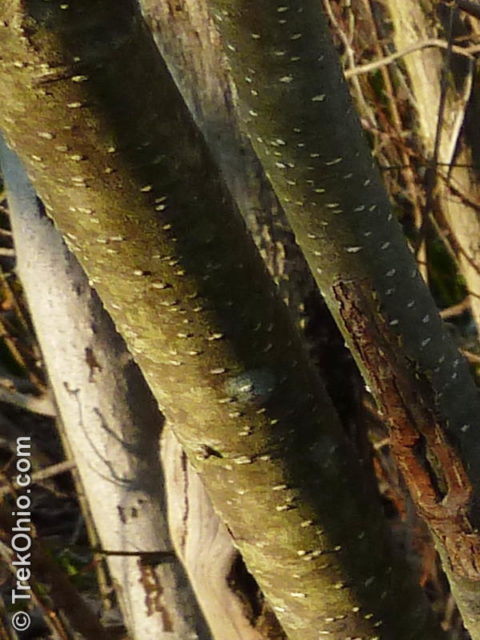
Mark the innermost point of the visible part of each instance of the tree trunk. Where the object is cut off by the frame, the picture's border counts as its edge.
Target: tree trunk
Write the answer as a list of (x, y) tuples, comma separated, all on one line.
[(111, 421), (116, 159), (190, 45), (228, 595), (75, 331), (292, 91)]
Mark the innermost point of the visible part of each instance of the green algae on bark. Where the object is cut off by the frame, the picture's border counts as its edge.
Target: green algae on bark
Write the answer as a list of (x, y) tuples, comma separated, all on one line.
[(298, 113), (88, 105)]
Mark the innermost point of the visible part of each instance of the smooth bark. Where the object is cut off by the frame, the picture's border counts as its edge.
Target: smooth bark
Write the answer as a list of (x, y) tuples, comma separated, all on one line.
[(297, 110), (189, 42), (458, 186), (115, 157), (190, 45), (83, 352), (111, 421), (229, 597)]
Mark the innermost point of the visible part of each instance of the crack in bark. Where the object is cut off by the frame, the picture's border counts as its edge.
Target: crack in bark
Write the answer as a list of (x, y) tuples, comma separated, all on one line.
[(432, 468), (154, 594), (186, 506), (256, 608)]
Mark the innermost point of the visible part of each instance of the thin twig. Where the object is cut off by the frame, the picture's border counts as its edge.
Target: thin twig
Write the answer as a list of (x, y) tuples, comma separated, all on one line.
[(453, 165), (41, 405), (473, 358), (42, 474), (431, 175), (350, 55), (455, 309), (147, 557), (470, 7), (468, 52)]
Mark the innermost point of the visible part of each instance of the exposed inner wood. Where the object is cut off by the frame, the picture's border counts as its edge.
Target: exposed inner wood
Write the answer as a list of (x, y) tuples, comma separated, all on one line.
[(432, 468)]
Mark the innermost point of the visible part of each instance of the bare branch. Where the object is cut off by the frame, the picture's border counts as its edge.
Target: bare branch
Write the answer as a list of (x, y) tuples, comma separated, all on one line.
[(468, 52)]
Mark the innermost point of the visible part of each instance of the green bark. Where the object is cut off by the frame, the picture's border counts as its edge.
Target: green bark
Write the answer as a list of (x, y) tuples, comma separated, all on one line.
[(114, 155), (190, 46), (297, 110), (413, 22)]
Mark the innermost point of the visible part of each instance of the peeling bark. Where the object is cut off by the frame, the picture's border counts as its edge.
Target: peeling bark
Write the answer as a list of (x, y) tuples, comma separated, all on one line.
[(432, 468), (458, 195), (115, 157), (292, 92), (229, 597)]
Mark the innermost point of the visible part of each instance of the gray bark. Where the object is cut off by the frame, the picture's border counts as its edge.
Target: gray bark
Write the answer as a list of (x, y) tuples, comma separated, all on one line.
[(458, 188), (111, 421), (115, 157), (292, 92), (230, 601), (189, 42)]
